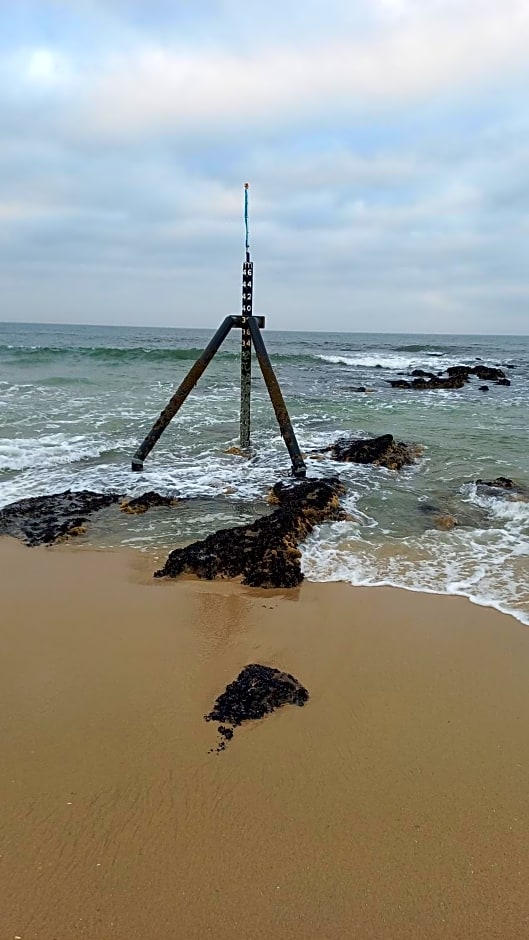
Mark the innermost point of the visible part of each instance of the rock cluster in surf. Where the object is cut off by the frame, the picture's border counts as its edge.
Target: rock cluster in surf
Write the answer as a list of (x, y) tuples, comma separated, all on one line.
[(257, 691), (264, 553), (456, 377)]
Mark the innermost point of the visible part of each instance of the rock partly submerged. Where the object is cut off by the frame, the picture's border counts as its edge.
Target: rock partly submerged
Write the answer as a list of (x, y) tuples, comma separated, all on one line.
[(264, 553), (257, 691), (383, 451), (140, 504), (43, 520), (504, 487)]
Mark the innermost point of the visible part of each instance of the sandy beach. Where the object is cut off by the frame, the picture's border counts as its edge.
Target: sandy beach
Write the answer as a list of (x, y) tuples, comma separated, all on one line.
[(395, 804)]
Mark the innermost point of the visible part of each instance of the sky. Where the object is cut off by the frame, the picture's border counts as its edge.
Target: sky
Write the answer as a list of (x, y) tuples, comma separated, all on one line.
[(386, 143)]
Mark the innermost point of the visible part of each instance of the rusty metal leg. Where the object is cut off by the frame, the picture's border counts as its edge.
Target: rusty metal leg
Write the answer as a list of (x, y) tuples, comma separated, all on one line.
[(181, 393), (287, 431)]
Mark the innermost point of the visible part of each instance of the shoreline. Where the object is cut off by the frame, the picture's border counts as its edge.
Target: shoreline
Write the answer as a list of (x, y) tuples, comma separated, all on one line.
[(393, 805)]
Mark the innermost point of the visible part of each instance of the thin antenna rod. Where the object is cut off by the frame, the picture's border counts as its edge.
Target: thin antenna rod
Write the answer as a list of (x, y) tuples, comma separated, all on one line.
[(247, 242)]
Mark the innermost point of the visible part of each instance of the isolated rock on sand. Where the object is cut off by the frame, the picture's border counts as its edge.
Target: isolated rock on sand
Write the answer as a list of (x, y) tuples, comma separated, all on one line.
[(42, 520), (264, 553), (383, 451), (257, 691)]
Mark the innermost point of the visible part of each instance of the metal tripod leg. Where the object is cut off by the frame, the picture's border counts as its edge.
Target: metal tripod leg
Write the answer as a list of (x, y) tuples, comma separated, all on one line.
[(287, 431), (181, 393)]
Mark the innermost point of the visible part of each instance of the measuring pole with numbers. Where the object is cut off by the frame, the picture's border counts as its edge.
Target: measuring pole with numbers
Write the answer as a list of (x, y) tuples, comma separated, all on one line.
[(246, 338)]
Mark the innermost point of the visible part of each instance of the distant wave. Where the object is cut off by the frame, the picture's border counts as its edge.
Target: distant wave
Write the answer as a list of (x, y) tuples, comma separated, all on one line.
[(108, 354), (428, 349), (43, 354)]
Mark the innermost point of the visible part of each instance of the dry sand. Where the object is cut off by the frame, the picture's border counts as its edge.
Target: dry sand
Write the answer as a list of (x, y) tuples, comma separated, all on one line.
[(394, 805)]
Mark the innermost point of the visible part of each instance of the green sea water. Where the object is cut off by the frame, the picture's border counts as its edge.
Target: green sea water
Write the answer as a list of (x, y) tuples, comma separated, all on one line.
[(76, 401)]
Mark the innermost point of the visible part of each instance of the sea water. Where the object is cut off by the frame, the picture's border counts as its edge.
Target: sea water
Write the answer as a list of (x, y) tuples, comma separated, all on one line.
[(75, 402)]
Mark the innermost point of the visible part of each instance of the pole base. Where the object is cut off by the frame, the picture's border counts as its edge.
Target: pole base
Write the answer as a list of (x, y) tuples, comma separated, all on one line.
[(136, 465), (300, 472)]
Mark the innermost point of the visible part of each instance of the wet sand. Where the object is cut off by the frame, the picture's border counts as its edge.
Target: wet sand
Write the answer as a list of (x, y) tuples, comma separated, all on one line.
[(395, 804)]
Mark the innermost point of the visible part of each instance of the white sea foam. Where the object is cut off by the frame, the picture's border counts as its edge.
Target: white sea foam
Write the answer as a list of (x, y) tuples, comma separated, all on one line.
[(399, 362), (486, 566)]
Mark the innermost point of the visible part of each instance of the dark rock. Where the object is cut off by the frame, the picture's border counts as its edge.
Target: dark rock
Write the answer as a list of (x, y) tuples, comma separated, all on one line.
[(510, 366), (42, 520), (504, 486), (460, 370), (503, 483), (503, 381), (257, 691), (457, 380), (359, 388), (382, 451), (264, 553), (140, 504), (420, 373), (488, 373), (483, 388), (451, 382)]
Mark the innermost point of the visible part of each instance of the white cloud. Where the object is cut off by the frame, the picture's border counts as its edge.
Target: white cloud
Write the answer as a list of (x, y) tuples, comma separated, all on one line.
[(435, 49), (384, 140)]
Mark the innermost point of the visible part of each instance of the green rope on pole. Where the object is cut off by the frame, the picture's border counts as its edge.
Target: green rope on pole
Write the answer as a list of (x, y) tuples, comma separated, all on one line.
[(247, 242)]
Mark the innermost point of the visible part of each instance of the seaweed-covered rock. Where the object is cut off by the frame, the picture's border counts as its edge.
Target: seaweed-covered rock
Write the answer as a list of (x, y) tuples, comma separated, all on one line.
[(264, 553), (257, 691), (140, 504), (383, 451), (42, 520)]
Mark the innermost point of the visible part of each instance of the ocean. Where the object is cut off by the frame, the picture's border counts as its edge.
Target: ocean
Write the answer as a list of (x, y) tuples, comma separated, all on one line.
[(75, 402)]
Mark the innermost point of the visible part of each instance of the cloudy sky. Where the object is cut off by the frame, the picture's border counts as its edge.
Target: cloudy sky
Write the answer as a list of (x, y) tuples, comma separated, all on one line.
[(386, 143)]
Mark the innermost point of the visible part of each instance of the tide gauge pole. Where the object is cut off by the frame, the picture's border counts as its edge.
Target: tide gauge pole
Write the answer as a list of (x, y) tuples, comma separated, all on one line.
[(250, 327), (246, 336)]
